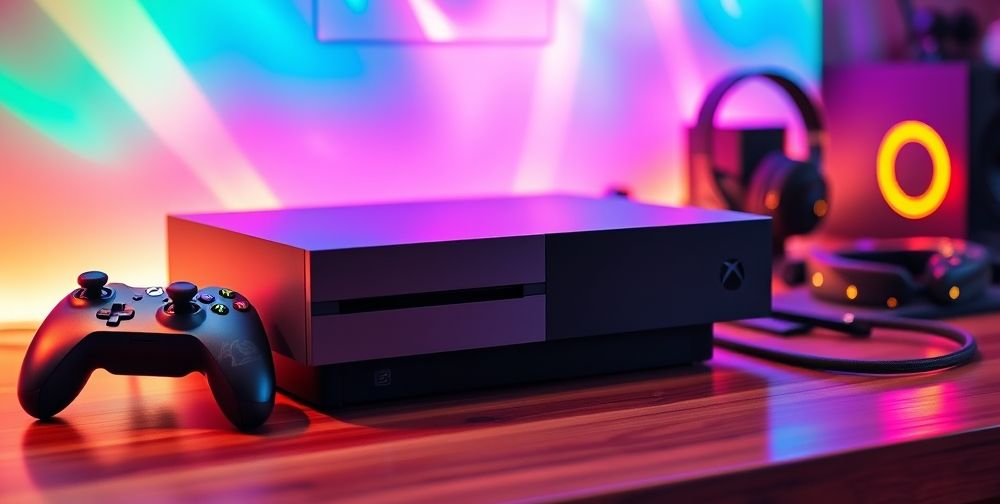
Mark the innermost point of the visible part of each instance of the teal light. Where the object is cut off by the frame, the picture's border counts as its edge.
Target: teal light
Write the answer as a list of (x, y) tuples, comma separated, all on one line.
[(58, 93), (357, 6), (750, 23)]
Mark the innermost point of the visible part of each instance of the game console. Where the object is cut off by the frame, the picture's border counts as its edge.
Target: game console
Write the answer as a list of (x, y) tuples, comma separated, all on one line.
[(373, 302)]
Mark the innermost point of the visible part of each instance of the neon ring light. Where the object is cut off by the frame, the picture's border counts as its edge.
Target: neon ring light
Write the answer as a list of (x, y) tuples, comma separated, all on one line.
[(913, 207)]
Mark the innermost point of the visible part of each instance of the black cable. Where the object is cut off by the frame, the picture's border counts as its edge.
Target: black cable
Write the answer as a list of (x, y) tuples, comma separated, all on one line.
[(862, 326)]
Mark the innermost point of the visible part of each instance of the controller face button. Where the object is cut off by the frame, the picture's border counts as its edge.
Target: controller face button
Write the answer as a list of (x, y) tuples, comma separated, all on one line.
[(241, 305), (227, 293), (206, 298), (220, 309), (117, 313), (154, 291)]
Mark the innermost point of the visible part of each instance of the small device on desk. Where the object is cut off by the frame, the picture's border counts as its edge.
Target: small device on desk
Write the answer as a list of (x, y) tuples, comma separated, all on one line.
[(151, 332), (891, 283), (387, 301)]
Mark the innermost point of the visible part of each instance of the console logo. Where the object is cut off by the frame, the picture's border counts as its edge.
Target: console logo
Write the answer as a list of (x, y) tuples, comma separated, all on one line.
[(383, 377), (731, 274), (913, 207), (239, 352)]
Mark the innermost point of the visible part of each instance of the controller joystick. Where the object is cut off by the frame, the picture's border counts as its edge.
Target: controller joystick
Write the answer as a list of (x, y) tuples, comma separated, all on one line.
[(90, 329), (92, 283), (181, 294)]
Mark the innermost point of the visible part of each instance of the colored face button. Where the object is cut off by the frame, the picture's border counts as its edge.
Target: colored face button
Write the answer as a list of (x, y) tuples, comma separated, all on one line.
[(220, 309), (227, 293), (154, 291), (241, 305), (115, 314), (206, 298)]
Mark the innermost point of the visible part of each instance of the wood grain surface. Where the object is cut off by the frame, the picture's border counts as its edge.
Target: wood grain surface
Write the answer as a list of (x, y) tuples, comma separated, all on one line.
[(735, 428)]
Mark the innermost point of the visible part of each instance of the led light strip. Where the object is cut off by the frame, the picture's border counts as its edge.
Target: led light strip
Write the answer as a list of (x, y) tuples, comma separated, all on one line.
[(920, 206)]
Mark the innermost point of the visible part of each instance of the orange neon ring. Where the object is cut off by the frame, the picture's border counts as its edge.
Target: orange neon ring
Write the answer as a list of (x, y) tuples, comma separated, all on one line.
[(913, 207)]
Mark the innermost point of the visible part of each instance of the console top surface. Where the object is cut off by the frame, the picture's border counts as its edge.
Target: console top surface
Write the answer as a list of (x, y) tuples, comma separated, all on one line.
[(344, 227)]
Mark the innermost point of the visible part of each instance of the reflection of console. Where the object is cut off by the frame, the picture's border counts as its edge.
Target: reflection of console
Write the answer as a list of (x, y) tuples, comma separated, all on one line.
[(386, 301)]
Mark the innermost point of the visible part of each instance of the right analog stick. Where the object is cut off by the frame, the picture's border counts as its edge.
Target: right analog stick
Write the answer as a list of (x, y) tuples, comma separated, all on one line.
[(181, 294)]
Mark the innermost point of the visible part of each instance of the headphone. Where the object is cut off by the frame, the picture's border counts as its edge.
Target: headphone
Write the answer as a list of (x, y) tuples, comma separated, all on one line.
[(891, 272), (883, 273), (791, 192)]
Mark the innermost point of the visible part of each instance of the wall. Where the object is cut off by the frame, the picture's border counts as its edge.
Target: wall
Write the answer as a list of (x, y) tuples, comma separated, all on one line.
[(863, 31), (114, 113)]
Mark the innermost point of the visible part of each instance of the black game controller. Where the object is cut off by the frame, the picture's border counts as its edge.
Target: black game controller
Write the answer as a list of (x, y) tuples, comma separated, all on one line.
[(151, 332)]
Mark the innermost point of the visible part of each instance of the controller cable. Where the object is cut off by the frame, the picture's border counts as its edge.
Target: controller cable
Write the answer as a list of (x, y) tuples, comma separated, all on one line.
[(856, 326)]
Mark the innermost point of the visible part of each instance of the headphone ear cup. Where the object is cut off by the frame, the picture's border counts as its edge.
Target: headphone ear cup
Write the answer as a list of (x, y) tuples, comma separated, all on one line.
[(731, 189), (792, 192)]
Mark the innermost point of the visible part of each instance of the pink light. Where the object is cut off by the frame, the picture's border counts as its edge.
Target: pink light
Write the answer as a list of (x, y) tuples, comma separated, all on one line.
[(552, 102), (435, 24), (917, 412)]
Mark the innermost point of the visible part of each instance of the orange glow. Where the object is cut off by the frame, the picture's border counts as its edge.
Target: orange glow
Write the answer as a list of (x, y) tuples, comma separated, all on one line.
[(954, 292), (817, 279), (913, 207), (820, 207), (891, 302), (852, 292), (771, 200)]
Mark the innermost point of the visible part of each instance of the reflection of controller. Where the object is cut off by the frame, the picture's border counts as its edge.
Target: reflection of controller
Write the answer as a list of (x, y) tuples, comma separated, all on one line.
[(135, 331)]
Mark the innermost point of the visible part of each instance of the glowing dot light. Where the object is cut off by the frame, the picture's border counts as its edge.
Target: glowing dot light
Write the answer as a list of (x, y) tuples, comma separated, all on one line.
[(820, 207), (913, 207), (817, 279), (954, 292), (892, 302), (852, 292), (771, 200)]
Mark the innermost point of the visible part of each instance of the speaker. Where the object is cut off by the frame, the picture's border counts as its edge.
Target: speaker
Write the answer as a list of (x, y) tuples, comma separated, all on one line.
[(914, 150)]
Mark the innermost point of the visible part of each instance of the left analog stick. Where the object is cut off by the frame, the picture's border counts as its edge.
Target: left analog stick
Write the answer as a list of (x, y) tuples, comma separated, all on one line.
[(93, 283)]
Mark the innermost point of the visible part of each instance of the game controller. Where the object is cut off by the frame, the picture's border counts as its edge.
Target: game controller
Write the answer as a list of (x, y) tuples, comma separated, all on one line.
[(151, 332)]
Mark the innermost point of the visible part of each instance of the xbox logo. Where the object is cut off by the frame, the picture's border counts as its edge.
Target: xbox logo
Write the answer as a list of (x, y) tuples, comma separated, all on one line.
[(731, 274)]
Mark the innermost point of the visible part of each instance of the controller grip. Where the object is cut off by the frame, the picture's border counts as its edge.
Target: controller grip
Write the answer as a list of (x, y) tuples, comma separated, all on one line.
[(243, 387), (52, 376)]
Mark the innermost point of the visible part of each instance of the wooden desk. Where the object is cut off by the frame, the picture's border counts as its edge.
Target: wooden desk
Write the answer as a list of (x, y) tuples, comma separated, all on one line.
[(736, 427)]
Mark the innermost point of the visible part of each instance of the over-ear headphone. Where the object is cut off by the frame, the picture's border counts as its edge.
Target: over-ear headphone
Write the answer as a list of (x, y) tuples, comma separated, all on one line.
[(891, 272), (792, 192)]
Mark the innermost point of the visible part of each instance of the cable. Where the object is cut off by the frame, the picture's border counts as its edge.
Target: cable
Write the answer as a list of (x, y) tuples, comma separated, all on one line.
[(859, 326)]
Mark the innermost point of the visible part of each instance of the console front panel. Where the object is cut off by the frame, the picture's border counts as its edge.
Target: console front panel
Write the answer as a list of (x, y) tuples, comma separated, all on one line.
[(643, 279), (342, 274), (431, 329)]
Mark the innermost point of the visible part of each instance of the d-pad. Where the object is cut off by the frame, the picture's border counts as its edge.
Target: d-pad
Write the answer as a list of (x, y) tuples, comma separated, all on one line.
[(117, 313)]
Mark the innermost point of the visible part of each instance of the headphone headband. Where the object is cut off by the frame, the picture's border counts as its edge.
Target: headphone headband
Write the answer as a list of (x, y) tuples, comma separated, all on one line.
[(702, 146)]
